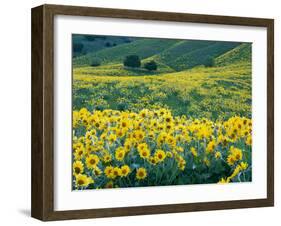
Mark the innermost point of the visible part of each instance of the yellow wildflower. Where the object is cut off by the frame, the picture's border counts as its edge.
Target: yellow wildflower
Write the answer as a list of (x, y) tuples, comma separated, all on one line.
[(211, 146), (125, 170), (160, 155), (83, 180), (141, 173), (78, 167), (92, 161), (193, 151), (120, 153), (217, 155)]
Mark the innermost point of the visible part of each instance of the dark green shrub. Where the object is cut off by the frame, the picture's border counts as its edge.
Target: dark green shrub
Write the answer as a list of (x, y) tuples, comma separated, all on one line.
[(132, 61), (99, 107), (209, 62), (122, 106), (151, 65), (95, 63), (108, 44)]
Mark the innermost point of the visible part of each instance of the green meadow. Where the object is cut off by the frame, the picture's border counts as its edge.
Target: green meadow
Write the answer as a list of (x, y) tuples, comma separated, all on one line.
[(151, 112), (194, 78)]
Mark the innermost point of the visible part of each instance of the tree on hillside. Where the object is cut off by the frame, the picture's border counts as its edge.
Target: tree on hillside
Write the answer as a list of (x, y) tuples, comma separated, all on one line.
[(107, 44), (151, 65), (95, 63), (132, 61), (209, 62)]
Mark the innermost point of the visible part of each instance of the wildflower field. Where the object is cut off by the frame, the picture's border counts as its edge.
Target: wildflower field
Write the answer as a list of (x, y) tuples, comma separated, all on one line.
[(177, 124)]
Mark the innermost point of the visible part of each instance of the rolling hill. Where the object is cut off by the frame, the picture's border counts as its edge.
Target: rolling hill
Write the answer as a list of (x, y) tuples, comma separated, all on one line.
[(84, 44), (203, 56), (213, 92), (142, 47), (170, 53), (195, 78), (240, 54)]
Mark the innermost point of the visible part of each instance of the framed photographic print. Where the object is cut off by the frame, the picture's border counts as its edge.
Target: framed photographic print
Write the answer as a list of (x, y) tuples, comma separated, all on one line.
[(141, 112)]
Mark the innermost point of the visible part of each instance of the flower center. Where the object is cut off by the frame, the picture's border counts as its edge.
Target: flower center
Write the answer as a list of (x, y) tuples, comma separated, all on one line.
[(77, 170), (80, 182)]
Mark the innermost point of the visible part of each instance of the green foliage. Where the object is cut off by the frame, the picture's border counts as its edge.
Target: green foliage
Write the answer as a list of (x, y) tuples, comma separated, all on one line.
[(94, 43), (132, 61), (120, 70), (90, 37), (213, 92), (209, 62), (179, 49), (240, 54), (108, 44), (202, 56), (176, 54), (143, 47), (95, 63), (190, 79), (151, 65), (77, 47)]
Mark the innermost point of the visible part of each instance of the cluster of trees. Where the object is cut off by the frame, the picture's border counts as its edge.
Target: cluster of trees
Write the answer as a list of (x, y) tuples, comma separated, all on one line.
[(109, 44), (135, 62), (95, 63)]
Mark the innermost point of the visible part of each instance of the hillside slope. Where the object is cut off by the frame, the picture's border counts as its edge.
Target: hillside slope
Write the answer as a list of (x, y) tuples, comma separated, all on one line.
[(203, 56), (211, 92), (144, 48), (240, 54), (169, 55), (84, 44), (176, 54)]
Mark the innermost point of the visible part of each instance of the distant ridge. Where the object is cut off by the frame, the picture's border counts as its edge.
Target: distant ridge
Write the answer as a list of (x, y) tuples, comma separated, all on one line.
[(144, 48), (240, 54), (177, 55)]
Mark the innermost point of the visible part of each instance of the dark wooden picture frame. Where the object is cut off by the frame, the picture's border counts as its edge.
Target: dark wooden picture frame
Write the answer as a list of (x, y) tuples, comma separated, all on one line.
[(42, 203)]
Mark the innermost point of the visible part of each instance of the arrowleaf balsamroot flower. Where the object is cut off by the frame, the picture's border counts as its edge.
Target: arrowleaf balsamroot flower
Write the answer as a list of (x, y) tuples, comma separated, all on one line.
[(123, 149), (141, 173)]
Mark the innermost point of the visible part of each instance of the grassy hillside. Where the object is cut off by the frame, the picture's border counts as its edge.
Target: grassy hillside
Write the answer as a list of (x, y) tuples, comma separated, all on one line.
[(171, 54), (218, 92), (240, 54), (188, 54), (188, 122), (94, 43), (203, 56), (175, 54), (120, 70), (194, 78), (142, 47)]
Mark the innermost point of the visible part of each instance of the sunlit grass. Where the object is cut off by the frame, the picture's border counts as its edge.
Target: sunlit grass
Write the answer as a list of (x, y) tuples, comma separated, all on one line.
[(201, 92)]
